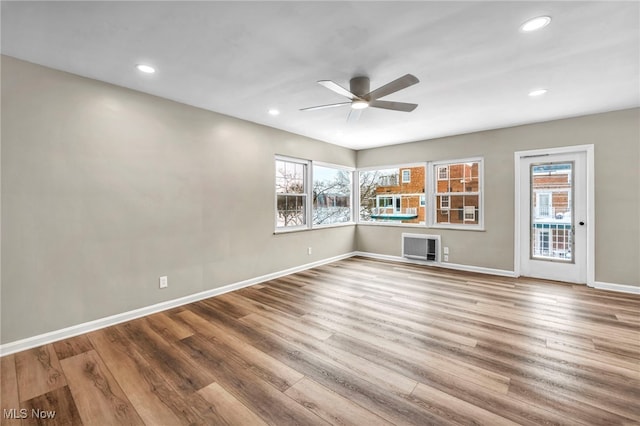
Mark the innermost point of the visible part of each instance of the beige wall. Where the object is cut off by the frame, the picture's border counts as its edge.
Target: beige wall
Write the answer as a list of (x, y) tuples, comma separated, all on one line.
[(105, 189), (616, 137)]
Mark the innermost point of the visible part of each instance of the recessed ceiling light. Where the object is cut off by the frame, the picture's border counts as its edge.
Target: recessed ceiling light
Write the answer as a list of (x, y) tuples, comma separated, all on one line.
[(274, 111), (537, 92), (535, 23), (147, 69)]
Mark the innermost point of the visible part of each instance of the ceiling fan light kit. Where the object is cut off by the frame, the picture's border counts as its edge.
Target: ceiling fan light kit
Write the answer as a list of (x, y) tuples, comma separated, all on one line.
[(361, 97), (359, 104)]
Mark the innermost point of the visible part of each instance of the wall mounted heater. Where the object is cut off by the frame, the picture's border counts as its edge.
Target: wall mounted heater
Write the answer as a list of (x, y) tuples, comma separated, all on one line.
[(421, 247)]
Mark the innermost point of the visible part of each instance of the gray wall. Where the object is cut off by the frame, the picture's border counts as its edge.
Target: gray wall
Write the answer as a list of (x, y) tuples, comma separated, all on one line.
[(616, 137), (105, 189)]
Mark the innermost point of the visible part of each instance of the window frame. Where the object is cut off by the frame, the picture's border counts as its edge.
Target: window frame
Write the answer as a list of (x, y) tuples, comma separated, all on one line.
[(435, 168), (548, 205), (428, 199), (446, 169), (442, 203), (400, 167), (402, 172), (351, 171), (308, 194), (466, 211), (305, 194)]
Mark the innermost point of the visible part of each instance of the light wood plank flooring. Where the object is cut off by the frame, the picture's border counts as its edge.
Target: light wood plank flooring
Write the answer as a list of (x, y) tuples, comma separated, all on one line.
[(355, 342)]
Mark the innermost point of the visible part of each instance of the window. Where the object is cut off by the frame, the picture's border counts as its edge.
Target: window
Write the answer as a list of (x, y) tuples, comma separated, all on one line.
[(442, 172), (291, 193), (390, 195), (552, 210), (469, 213), (310, 194), (457, 194), (444, 202), (331, 195), (543, 204)]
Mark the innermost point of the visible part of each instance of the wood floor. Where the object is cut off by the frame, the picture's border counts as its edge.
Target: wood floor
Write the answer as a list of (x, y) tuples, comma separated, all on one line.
[(356, 342)]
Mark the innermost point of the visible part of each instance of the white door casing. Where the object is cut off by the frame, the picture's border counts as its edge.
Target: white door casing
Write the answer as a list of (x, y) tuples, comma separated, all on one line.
[(551, 242)]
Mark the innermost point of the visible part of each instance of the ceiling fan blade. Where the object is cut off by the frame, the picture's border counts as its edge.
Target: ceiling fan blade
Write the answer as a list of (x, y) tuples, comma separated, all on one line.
[(396, 85), (396, 106), (325, 106), (337, 88), (354, 115)]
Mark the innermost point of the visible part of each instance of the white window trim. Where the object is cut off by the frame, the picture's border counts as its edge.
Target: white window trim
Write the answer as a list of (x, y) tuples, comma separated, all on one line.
[(395, 200), (309, 196), (352, 200), (549, 204), (400, 167), (442, 198), (466, 210), (307, 186), (430, 195), (438, 172), (402, 172)]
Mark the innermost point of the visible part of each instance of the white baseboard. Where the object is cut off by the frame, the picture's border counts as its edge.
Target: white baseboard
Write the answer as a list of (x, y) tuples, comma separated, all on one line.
[(458, 267), (75, 330), (623, 288)]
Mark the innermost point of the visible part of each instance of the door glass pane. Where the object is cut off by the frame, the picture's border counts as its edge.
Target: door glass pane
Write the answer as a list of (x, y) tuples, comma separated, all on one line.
[(552, 211)]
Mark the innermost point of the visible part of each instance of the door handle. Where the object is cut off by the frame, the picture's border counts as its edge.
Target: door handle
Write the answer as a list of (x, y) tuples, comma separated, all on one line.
[(581, 223)]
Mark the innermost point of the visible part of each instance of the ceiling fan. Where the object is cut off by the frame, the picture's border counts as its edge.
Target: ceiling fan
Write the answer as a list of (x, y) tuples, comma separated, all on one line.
[(361, 97)]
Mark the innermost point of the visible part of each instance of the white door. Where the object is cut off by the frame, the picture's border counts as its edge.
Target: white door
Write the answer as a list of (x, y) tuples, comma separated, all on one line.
[(553, 216)]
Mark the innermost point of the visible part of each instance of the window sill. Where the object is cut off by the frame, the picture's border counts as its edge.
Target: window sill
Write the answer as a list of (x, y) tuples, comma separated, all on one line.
[(393, 224), (333, 225), (389, 224), (423, 226), (314, 228), (289, 230), (458, 227)]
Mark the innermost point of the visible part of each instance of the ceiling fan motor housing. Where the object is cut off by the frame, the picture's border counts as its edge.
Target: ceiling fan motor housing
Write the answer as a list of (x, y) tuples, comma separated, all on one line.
[(359, 86)]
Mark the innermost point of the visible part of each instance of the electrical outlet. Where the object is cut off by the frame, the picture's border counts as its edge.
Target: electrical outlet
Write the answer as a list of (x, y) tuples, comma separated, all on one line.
[(164, 282), (445, 250), (446, 257), (309, 251)]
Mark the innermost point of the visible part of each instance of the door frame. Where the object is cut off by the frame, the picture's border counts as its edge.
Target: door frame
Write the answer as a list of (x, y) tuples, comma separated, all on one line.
[(590, 219)]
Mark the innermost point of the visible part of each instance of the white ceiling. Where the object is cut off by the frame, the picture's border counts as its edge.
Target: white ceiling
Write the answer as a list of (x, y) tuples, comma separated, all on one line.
[(243, 58)]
